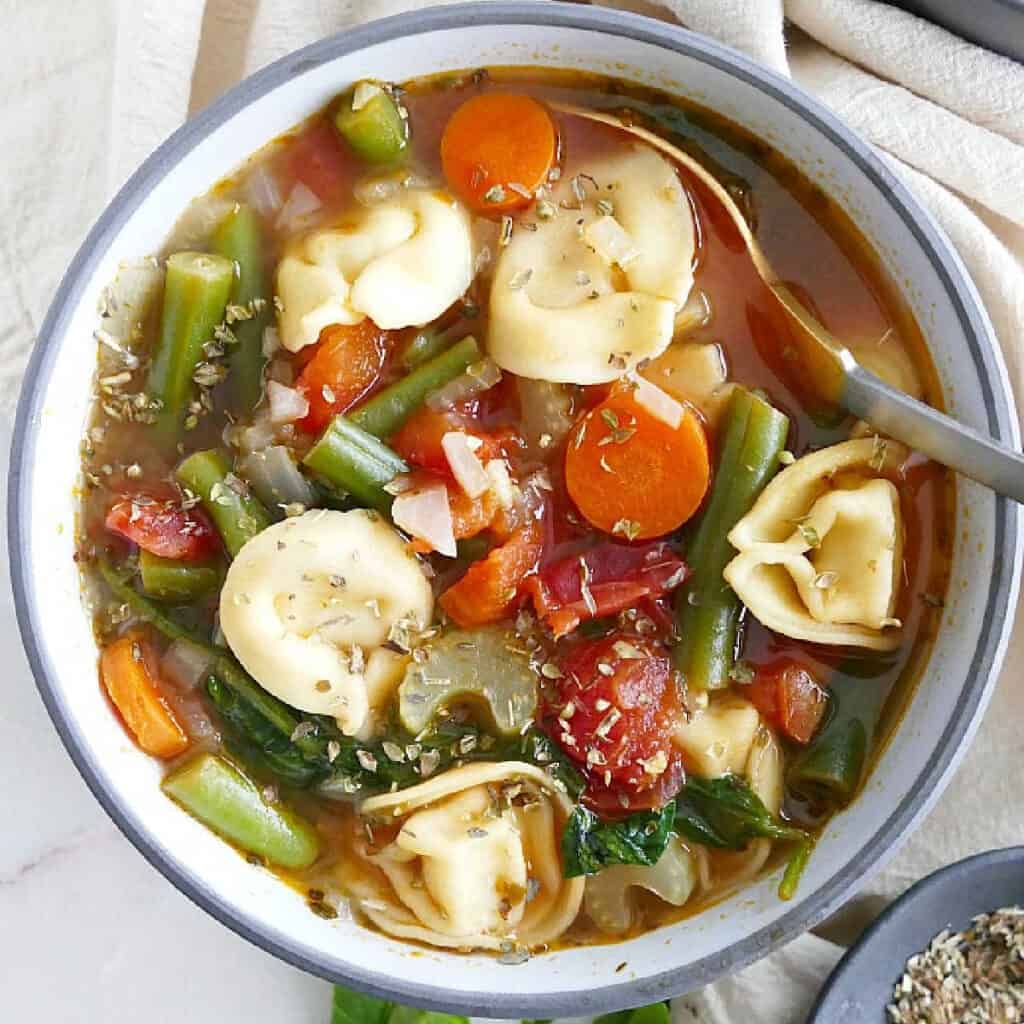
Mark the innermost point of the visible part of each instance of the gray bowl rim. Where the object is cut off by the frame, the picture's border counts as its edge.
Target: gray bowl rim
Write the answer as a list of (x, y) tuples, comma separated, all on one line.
[(923, 896), (809, 908)]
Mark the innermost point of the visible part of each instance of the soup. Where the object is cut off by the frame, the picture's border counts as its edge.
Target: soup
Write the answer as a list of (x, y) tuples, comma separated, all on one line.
[(466, 538)]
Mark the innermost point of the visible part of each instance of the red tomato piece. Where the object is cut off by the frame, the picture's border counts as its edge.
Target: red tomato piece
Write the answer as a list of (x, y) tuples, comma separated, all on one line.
[(789, 697), (490, 589), (318, 159), (419, 439), (619, 576), (346, 366), (162, 527), (614, 713)]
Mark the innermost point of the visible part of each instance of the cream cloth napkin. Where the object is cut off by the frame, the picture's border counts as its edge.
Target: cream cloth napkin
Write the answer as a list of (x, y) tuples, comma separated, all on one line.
[(88, 90)]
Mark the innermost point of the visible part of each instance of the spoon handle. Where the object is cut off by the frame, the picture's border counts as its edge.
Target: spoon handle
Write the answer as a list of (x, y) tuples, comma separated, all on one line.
[(934, 433)]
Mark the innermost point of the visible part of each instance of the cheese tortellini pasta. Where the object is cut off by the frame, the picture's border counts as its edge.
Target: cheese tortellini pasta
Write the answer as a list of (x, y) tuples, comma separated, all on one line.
[(821, 552), (400, 263), (595, 287), (308, 603), (716, 740), (475, 861)]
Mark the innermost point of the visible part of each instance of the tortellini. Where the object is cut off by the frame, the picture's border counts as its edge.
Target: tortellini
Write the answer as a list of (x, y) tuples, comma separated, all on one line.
[(609, 897), (694, 373), (475, 862), (716, 740), (307, 604), (821, 552), (589, 293), (401, 263)]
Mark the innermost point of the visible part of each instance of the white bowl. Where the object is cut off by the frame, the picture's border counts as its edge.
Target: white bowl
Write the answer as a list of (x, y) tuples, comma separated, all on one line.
[(45, 467)]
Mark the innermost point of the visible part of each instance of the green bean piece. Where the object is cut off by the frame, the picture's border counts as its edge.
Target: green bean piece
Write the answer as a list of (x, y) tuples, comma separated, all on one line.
[(213, 790), (348, 457), (707, 610), (196, 292), (168, 579), (830, 768), (425, 345), (237, 514), (239, 238), (377, 131), (122, 589), (383, 414)]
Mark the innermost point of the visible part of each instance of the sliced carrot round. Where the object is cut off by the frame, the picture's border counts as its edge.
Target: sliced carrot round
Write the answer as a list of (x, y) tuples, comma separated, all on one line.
[(497, 148), (633, 475)]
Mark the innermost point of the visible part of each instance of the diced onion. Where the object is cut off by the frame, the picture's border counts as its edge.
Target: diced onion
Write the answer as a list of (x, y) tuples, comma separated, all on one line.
[(695, 313), (271, 341), (659, 404), (363, 93), (370, 191), (426, 515), (301, 203), (256, 436), (263, 192), (478, 378), (610, 240), (467, 469), (185, 664), (501, 483), (275, 478), (286, 404)]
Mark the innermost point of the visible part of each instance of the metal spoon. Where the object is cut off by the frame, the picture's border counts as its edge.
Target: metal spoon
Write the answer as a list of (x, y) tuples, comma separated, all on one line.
[(838, 376)]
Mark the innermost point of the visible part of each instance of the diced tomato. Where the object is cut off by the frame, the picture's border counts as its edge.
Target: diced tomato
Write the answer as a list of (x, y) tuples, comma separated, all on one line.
[(470, 516), (613, 713), (419, 439), (318, 159), (786, 693), (619, 576), (490, 590), (162, 527), (345, 367)]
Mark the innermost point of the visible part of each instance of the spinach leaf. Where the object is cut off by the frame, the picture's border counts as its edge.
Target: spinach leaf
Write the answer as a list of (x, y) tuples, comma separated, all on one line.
[(355, 1008), (590, 844), (657, 1013), (726, 813)]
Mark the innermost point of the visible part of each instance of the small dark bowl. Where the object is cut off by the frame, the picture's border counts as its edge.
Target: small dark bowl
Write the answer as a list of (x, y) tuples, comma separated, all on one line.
[(861, 986)]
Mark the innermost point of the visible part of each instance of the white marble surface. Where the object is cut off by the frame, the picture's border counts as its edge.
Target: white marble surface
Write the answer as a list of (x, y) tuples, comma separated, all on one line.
[(89, 932)]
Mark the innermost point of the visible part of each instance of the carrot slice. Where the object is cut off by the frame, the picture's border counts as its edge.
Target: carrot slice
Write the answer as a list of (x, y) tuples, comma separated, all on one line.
[(470, 516), (633, 475), (134, 692), (490, 588), (497, 146), (348, 362)]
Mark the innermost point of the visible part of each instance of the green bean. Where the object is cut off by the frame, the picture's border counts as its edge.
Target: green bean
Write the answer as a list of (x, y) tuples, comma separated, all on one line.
[(830, 768), (383, 414), (125, 593), (236, 513), (238, 238), (213, 790), (168, 579), (196, 292), (348, 457), (378, 132), (707, 610), (426, 345)]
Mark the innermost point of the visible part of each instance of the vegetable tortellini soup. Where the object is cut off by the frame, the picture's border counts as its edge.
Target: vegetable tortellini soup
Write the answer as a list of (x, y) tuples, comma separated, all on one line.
[(465, 534)]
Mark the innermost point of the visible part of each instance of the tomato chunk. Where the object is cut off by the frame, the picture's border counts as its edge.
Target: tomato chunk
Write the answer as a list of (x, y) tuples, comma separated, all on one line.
[(613, 713), (786, 693), (618, 576), (490, 589), (419, 439), (162, 527), (345, 367), (318, 159)]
